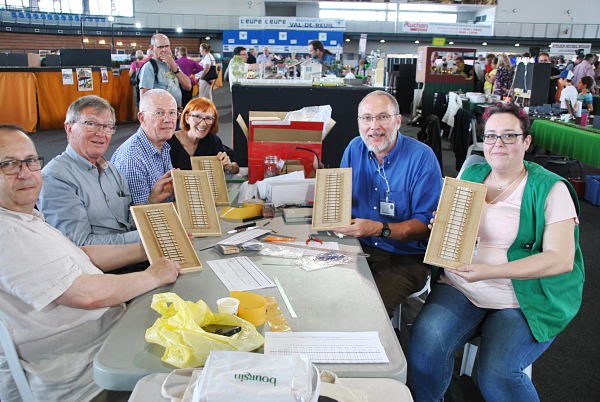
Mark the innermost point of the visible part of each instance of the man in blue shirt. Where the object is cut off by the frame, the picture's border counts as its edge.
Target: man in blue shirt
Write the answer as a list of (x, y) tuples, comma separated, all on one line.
[(325, 57), (396, 183), (144, 158)]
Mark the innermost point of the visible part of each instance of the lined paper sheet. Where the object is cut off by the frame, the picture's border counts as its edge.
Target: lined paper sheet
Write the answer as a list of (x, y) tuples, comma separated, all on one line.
[(240, 273), (328, 347), (243, 237)]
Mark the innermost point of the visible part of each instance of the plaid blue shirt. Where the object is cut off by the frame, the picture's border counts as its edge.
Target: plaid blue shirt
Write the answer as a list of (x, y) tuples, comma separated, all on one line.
[(142, 165)]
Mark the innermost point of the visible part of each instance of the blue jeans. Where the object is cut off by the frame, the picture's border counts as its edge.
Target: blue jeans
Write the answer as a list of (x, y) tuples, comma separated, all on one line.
[(447, 321)]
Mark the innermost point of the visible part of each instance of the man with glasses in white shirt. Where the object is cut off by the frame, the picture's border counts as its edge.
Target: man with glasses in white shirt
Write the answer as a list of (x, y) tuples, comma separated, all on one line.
[(396, 183), (85, 196), (144, 158)]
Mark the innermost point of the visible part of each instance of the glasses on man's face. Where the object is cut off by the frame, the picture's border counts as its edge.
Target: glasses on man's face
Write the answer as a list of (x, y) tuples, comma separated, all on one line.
[(380, 118), (93, 127), (161, 114), (12, 166), (507, 138), (197, 118), (161, 47)]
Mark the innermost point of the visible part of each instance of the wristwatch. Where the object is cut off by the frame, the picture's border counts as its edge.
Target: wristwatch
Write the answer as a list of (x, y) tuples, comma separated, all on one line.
[(177, 72), (385, 231)]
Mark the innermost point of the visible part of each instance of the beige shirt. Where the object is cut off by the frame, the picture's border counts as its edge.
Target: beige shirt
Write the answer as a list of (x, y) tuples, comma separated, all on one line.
[(56, 343)]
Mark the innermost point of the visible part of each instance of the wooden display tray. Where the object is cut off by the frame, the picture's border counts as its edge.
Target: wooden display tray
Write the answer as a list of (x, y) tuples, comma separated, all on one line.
[(333, 199), (216, 176), (163, 235), (454, 232), (195, 202)]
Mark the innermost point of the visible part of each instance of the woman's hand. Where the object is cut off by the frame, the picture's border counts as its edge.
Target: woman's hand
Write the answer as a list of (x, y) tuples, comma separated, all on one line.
[(474, 272)]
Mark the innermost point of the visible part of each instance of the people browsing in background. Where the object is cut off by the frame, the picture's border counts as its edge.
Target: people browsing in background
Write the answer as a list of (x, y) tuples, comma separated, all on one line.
[(396, 183), (144, 157), (199, 137), (162, 72), (252, 56), (265, 57), (584, 69), (208, 62), (524, 284), (318, 52), (238, 65), (505, 73), (349, 73), (189, 67), (462, 68), (490, 78), (489, 58), (137, 64), (572, 63), (544, 57), (478, 69), (56, 301), (85, 196), (585, 96), (568, 93)]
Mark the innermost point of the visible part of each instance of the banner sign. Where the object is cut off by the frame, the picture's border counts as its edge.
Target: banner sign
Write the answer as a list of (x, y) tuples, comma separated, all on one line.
[(281, 41), (314, 24), (569, 49), (447, 29)]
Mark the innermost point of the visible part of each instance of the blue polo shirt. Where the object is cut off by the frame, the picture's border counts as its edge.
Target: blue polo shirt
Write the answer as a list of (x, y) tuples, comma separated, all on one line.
[(415, 183)]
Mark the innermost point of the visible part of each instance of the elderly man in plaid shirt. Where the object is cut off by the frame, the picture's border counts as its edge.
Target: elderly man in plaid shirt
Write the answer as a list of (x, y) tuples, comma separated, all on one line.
[(144, 158)]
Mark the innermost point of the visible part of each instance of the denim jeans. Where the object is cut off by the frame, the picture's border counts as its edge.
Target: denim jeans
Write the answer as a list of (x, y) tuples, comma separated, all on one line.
[(447, 321)]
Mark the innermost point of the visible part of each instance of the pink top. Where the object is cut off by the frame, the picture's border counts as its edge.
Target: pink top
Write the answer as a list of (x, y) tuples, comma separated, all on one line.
[(497, 231)]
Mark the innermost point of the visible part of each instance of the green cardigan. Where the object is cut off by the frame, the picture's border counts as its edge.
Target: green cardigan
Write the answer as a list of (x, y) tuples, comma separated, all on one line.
[(549, 303)]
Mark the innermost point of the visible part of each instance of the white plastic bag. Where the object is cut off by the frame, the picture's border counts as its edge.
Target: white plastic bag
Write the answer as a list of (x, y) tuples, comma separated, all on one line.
[(253, 377), (313, 113)]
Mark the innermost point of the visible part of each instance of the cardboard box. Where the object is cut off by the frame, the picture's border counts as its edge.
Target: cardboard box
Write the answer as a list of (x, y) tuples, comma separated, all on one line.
[(268, 134)]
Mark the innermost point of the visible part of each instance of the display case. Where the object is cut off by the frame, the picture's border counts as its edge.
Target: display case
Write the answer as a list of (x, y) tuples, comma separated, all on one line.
[(442, 64)]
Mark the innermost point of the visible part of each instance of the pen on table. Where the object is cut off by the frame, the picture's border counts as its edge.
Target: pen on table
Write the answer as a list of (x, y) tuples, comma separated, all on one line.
[(241, 228), (265, 223)]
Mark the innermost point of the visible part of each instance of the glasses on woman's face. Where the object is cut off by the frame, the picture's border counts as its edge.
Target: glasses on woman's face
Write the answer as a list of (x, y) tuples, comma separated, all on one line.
[(507, 138), (198, 118)]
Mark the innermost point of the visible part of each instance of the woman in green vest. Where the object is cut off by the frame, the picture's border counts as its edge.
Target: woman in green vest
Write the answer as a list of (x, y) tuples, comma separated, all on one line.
[(524, 284)]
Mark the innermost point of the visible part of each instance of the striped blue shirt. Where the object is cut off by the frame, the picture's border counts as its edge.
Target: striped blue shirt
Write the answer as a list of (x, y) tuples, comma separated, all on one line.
[(142, 165)]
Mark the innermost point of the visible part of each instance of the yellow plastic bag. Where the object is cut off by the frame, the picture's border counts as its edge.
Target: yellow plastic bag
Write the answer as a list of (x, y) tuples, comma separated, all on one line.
[(180, 331)]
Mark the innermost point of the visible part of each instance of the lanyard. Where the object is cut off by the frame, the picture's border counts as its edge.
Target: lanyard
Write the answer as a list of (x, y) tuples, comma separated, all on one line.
[(381, 172)]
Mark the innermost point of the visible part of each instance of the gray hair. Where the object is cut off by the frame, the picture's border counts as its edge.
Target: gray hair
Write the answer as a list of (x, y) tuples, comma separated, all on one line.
[(391, 99), (91, 101), (148, 97), (139, 54)]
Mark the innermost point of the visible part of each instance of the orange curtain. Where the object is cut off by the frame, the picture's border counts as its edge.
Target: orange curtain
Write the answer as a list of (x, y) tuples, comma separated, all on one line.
[(54, 98), (19, 100)]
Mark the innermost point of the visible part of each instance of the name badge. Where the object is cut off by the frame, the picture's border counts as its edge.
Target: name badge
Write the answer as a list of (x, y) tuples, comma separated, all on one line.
[(386, 208)]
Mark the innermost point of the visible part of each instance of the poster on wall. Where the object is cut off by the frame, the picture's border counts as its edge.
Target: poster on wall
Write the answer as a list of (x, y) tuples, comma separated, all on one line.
[(104, 74), (84, 79), (67, 76)]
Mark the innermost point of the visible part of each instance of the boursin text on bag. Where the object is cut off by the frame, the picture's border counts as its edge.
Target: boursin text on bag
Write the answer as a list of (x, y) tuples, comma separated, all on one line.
[(254, 377)]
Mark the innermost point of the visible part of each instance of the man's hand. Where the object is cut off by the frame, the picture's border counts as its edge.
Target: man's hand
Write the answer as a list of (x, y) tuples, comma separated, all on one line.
[(164, 271), (162, 189), (361, 228), (168, 58)]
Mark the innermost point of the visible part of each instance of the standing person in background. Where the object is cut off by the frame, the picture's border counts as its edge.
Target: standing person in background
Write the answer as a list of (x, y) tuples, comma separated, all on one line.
[(189, 67), (554, 76), (585, 69), (505, 73), (265, 57), (568, 93), (488, 62), (325, 57), (139, 61), (585, 96), (208, 61), (161, 72), (490, 78), (252, 56)]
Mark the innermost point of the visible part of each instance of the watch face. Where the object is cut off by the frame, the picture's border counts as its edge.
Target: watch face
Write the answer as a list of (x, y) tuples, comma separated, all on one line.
[(386, 232)]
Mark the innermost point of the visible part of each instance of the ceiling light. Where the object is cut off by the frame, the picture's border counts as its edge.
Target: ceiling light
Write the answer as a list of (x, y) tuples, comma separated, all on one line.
[(86, 40), (138, 25), (119, 43), (417, 41), (347, 40), (382, 41), (484, 44), (133, 44), (451, 43), (517, 44), (110, 18), (178, 30), (207, 38), (101, 42)]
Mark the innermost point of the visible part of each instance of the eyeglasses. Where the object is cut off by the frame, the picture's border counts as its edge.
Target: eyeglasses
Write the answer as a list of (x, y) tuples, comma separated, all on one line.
[(380, 118), (94, 127), (12, 166), (508, 138), (197, 118), (162, 47), (160, 114)]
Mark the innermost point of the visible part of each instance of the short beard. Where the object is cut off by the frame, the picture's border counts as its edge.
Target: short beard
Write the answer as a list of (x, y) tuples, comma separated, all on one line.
[(383, 147)]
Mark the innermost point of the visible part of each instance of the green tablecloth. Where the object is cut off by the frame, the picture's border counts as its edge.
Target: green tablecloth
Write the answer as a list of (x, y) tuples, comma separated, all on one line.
[(566, 140)]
